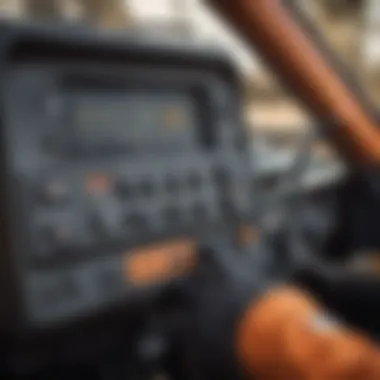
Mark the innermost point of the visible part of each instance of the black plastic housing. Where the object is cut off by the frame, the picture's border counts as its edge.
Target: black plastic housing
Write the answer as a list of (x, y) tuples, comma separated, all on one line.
[(34, 60)]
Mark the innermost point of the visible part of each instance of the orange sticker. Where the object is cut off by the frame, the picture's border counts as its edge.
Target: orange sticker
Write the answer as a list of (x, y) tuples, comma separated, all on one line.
[(98, 184), (160, 262), (247, 234)]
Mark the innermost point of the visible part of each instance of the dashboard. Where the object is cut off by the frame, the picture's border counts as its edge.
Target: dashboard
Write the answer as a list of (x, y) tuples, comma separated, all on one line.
[(117, 157)]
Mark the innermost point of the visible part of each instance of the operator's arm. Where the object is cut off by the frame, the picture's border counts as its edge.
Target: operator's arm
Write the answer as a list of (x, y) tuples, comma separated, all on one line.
[(243, 321), (287, 335)]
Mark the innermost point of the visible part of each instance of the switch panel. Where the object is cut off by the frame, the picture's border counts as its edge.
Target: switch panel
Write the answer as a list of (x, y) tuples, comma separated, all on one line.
[(108, 145)]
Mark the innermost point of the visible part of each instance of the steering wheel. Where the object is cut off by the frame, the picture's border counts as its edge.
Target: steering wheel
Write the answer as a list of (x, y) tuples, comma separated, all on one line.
[(279, 214)]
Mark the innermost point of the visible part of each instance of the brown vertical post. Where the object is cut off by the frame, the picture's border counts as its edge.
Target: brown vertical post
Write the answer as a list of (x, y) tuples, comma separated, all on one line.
[(270, 28)]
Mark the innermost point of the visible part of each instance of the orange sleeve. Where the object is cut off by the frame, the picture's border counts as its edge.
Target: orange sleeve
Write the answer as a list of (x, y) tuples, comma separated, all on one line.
[(287, 335)]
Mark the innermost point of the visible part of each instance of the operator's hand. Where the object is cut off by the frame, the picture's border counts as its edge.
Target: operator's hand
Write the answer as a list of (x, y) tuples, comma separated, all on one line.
[(353, 296), (240, 321)]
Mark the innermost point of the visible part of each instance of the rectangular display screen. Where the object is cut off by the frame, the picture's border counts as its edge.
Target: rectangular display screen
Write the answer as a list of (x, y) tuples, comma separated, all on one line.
[(134, 118)]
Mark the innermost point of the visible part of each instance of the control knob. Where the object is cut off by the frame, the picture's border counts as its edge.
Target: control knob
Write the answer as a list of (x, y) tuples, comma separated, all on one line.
[(104, 216), (55, 192), (53, 238), (123, 189)]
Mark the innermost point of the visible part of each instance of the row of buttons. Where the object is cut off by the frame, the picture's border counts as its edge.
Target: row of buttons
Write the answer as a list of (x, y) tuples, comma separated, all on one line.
[(170, 216), (65, 293), (58, 191), (126, 189), (172, 184), (63, 235), (106, 220)]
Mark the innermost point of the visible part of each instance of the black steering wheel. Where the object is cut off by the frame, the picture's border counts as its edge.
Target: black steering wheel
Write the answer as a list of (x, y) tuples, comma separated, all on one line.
[(280, 212)]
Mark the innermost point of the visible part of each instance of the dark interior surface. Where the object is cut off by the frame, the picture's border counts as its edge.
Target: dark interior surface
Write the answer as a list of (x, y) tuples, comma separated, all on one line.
[(108, 145), (78, 198)]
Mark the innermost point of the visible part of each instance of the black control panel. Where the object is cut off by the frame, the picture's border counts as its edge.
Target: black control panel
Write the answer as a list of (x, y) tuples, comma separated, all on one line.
[(108, 143)]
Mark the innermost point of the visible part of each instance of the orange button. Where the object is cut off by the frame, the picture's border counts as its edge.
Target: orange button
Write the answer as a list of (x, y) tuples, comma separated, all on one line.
[(247, 234), (160, 262), (98, 183)]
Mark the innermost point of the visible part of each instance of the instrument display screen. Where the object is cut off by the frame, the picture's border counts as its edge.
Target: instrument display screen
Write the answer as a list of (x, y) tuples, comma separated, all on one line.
[(134, 118)]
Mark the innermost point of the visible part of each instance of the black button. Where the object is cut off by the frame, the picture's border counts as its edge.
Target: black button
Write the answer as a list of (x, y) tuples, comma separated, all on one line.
[(135, 222), (103, 217), (62, 234), (172, 184), (44, 243), (172, 215), (56, 234), (109, 281), (57, 290), (221, 176), (227, 207), (123, 189), (199, 211), (194, 180), (68, 287), (240, 143), (47, 295), (146, 188), (52, 238), (95, 222), (55, 192), (51, 144)]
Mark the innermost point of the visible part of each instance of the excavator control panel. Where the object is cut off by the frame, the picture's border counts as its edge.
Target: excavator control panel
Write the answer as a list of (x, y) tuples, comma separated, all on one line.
[(117, 155)]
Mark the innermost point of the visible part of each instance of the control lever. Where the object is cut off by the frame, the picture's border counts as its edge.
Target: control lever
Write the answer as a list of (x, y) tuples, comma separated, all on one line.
[(152, 351), (155, 351), (104, 216)]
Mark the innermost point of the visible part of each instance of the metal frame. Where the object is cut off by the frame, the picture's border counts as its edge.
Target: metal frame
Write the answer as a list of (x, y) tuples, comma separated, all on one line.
[(271, 28)]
